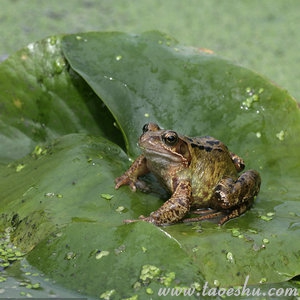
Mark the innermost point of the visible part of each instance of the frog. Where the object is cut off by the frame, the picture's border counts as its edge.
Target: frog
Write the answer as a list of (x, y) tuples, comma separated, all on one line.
[(200, 174)]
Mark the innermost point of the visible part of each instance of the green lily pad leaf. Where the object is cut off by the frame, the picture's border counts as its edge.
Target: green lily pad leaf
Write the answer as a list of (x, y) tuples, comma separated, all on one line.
[(60, 154), (42, 99), (62, 186), (152, 77), (103, 250)]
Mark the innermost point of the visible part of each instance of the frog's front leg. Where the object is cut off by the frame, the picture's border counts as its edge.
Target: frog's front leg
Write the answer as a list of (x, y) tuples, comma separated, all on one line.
[(130, 177), (175, 208), (236, 197)]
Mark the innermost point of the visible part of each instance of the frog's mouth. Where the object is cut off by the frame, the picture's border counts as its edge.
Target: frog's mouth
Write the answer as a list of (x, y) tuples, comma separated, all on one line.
[(162, 156)]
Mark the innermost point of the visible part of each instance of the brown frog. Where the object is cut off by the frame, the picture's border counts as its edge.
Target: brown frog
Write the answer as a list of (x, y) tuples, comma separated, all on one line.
[(199, 172)]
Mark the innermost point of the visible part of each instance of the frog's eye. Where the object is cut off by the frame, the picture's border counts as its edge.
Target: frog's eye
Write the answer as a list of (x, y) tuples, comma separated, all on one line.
[(170, 138)]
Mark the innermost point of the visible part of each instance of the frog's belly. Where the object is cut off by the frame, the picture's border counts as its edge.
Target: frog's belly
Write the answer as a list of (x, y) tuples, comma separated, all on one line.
[(205, 180), (201, 197)]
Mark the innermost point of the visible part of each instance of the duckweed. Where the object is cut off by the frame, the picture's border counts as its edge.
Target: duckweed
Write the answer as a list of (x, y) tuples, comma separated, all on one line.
[(149, 291), (20, 167), (280, 135), (8, 252), (120, 209), (38, 151), (107, 295), (229, 257), (107, 196), (149, 272), (252, 97), (101, 254)]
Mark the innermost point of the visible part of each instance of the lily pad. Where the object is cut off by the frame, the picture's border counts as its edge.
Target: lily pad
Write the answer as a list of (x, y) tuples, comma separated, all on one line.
[(42, 99), (59, 101)]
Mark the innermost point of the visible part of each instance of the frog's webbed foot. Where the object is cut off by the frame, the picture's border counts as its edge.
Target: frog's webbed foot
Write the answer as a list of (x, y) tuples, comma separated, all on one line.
[(223, 216), (128, 221), (233, 198), (134, 184), (231, 214), (141, 218), (207, 215)]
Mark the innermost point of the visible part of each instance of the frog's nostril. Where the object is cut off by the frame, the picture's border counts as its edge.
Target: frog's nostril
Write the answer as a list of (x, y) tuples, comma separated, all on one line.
[(145, 128), (150, 127)]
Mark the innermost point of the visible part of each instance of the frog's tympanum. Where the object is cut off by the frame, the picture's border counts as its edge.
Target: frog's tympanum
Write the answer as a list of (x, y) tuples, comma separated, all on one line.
[(198, 172)]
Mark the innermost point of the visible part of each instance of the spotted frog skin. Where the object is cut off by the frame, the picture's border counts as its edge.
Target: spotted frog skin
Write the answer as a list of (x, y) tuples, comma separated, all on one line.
[(198, 172)]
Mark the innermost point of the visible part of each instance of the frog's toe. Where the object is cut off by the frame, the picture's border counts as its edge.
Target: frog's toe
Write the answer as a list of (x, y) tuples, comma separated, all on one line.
[(142, 186), (129, 221), (122, 180), (148, 219)]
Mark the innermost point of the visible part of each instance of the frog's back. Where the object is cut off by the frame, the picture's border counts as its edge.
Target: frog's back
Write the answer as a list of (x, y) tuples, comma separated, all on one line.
[(211, 161)]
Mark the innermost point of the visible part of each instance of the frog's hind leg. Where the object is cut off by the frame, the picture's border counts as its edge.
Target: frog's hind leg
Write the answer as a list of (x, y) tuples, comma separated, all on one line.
[(232, 198), (235, 212), (235, 197)]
